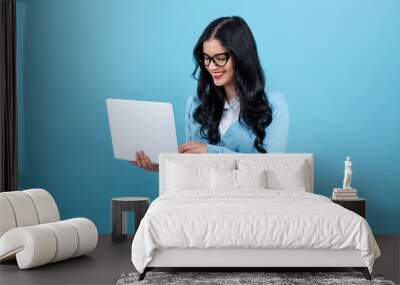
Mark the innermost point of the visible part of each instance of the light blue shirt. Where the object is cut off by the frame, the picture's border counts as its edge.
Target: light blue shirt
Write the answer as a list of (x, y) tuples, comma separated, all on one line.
[(239, 138)]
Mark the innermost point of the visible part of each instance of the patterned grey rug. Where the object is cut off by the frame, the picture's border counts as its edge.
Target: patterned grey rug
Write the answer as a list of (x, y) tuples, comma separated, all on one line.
[(270, 278)]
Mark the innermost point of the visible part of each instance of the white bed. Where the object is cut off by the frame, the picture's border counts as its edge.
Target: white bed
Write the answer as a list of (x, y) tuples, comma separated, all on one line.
[(202, 220)]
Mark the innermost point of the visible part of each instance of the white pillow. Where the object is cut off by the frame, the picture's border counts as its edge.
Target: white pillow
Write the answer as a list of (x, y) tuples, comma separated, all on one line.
[(251, 178), (223, 179), (281, 174), (226, 179), (190, 172), (181, 177), (290, 179)]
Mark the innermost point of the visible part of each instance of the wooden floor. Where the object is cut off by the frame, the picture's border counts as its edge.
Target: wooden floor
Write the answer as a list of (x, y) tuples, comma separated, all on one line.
[(111, 259)]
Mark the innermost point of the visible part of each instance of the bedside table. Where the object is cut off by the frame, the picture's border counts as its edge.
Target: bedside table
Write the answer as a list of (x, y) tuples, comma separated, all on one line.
[(358, 206), (120, 206)]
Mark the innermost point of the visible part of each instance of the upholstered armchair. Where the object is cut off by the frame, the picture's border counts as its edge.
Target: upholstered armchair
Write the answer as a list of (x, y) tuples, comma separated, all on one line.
[(31, 231)]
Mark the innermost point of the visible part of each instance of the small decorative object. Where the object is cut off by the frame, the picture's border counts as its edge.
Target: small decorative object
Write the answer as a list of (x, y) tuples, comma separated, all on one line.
[(347, 192), (347, 174)]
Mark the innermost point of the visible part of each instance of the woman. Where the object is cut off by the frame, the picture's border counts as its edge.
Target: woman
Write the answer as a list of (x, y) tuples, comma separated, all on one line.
[(231, 111)]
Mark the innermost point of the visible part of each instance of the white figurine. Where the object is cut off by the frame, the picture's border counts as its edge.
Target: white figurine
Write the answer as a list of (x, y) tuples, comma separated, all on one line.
[(347, 174)]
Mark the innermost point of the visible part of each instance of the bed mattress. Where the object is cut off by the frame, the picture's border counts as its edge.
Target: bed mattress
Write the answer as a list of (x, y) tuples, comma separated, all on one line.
[(251, 219)]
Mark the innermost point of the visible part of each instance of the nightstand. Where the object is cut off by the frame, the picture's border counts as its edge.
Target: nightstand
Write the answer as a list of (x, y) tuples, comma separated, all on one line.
[(120, 207), (358, 206)]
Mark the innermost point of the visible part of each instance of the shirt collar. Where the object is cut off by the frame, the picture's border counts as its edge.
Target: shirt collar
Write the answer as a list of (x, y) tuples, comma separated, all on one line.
[(233, 104)]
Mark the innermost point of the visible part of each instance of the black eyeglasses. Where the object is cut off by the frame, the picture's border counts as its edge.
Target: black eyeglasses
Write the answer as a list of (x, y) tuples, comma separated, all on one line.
[(219, 59)]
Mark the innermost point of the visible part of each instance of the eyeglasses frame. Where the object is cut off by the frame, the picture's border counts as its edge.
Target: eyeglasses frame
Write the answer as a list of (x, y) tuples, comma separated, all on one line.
[(227, 54)]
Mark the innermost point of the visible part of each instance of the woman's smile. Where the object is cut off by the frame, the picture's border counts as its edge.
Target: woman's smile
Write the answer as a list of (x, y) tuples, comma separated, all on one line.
[(217, 75)]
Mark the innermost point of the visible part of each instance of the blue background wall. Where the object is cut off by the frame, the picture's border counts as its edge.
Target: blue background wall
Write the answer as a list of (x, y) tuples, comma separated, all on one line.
[(338, 63)]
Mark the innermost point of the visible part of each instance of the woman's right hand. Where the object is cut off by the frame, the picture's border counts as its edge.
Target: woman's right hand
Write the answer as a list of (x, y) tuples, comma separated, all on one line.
[(143, 161)]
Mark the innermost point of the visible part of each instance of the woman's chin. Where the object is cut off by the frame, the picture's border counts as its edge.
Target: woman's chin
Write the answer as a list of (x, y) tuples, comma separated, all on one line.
[(219, 83)]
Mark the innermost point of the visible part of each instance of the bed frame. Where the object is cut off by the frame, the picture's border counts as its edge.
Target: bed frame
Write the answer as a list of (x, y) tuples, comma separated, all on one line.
[(246, 258)]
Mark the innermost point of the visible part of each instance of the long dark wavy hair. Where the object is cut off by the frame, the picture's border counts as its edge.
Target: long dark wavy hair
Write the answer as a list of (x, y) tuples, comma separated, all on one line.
[(255, 112)]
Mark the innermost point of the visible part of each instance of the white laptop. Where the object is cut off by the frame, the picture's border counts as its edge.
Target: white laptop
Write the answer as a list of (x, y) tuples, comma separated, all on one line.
[(141, 125)]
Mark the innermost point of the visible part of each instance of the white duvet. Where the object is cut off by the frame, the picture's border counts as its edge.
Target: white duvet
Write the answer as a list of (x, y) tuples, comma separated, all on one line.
[(250, 218)]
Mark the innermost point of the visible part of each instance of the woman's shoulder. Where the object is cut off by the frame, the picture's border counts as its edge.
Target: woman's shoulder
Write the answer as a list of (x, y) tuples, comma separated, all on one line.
[(276, 98), (192, 102)]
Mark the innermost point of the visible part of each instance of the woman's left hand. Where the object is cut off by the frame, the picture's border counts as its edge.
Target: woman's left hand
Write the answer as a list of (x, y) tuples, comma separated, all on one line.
[(192, 147)]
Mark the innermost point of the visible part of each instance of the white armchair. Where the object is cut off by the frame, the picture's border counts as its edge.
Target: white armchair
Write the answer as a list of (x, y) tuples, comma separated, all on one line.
[(32, 233)]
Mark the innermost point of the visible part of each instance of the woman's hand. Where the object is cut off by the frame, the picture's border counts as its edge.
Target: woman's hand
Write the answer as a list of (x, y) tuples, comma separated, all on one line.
[(143, 161), (193, 147)]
